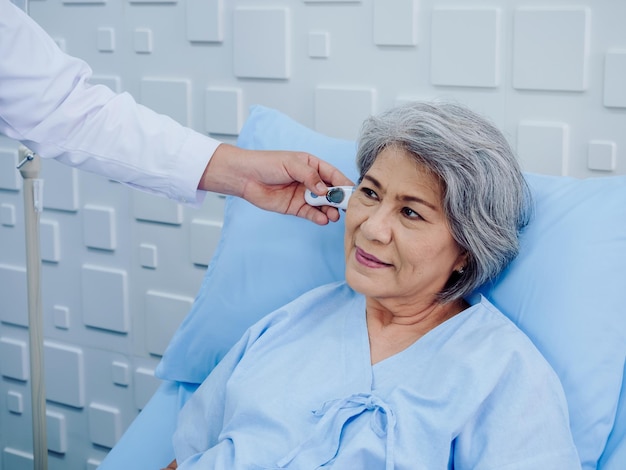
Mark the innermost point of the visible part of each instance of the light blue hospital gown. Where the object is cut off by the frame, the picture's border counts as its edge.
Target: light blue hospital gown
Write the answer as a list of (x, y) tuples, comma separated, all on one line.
[(298, 391)]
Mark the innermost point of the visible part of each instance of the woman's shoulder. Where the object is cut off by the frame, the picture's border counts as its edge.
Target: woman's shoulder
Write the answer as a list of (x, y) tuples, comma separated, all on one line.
[(498, 338), (485, 316)]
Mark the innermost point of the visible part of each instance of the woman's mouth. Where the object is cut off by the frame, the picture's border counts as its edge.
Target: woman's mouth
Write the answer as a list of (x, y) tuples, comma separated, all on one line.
[(369, 260)]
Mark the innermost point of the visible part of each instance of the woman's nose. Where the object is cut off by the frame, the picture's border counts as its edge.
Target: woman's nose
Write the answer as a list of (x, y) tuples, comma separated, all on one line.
[(377, 226)]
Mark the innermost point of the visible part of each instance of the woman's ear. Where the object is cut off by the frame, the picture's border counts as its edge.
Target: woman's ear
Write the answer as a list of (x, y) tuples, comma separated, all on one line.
[(461, 263)]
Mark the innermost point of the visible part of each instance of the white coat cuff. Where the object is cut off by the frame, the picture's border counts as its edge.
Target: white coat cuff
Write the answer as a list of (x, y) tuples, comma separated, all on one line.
[(187, 171)]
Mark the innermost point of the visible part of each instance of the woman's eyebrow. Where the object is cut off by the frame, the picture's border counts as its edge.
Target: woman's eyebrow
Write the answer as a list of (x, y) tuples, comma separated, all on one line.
[(405, 198), (372, 180), (418, 200)]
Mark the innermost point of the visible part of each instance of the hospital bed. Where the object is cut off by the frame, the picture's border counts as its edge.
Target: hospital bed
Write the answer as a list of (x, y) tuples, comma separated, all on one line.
[(565, 290)]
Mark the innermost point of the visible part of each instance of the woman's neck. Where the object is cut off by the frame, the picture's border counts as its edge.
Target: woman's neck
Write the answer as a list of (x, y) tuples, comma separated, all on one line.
[(391, 332)]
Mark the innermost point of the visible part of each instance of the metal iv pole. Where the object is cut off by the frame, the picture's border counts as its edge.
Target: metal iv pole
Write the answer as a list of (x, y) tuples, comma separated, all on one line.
[(29, 167)]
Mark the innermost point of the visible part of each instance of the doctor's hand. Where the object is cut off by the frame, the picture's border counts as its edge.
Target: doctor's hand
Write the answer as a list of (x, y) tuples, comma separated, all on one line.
[(273, 180)]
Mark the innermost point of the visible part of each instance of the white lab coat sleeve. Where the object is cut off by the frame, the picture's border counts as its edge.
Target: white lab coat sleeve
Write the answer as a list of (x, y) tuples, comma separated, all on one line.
[(47, 102)]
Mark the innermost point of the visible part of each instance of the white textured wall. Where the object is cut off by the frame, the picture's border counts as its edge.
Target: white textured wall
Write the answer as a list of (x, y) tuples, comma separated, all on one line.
[(120, 268)]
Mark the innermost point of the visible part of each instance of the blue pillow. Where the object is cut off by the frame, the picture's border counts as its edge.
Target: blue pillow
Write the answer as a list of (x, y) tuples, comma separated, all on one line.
[(564, 289)]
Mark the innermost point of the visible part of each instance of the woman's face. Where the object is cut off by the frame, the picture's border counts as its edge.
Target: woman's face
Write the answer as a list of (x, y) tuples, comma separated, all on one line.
[(399, 249)]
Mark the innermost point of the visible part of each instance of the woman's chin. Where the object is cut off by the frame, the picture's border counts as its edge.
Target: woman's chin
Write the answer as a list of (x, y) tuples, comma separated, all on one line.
[(362, 284)]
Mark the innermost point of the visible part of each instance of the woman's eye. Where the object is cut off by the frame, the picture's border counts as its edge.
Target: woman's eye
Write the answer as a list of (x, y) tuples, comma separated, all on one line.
[(369, 193), (410, 213)]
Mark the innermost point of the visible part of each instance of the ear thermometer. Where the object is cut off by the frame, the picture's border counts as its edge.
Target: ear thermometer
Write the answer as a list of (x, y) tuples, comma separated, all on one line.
[(336, 196)]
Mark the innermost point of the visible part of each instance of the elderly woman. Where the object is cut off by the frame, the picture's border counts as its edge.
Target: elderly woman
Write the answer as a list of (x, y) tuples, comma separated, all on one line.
[(399, 367)]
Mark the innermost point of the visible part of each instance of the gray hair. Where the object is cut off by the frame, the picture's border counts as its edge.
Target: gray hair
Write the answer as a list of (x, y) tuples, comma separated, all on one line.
[(486, 199)]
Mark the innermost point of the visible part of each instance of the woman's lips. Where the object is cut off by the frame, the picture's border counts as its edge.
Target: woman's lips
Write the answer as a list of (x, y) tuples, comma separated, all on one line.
[(368, 260)]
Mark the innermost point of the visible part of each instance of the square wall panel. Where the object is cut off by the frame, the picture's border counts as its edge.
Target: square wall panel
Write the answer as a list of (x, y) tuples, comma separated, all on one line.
[(164, 313), (60, 190), (106, 39), (146, 383), (148, 255), (15, 402), (142, 40), (395, 22), (93, 464), (65, 374), (14, 298), (7, 215), (339, 112), (56, 432), (105, 425), (99, 227), (14, 363), (151, 208), (105, 298), (61, 317), (319, 44), (601, 155), (15, 459), (205, 20), (615, 79), (10, 177), (120, 373), (204, 237), (543, 147), (551, 48), (465, 49), (50, 245), (223, 110), (171, 97), (261, 43)]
